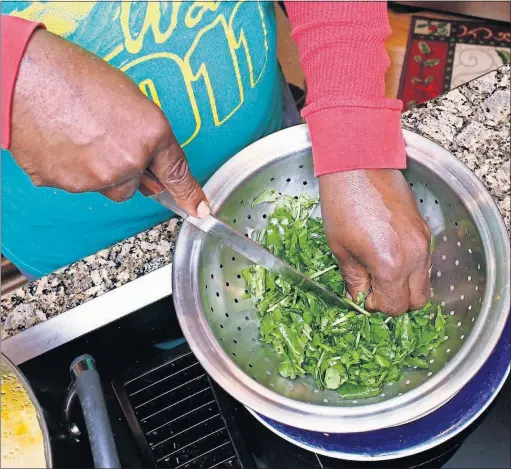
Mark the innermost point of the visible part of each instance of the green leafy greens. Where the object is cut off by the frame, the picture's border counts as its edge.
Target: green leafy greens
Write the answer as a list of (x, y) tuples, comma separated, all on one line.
[(355, 354)]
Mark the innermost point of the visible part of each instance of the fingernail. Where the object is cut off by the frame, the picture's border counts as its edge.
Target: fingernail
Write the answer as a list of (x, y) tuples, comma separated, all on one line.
[(203, 210)]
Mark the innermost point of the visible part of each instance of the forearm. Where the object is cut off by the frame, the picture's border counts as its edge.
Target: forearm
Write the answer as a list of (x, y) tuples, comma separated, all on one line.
[(342, 52), (16, 33)]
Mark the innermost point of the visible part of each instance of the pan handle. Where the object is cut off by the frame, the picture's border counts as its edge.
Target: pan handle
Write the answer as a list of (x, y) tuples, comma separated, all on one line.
[(90, 394)]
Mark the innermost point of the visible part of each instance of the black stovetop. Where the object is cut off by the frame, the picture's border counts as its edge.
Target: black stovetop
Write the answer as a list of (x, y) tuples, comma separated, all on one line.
[(130, 341)]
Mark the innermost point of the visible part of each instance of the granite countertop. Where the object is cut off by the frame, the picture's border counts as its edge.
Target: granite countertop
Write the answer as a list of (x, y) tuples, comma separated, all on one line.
[(472, 121)]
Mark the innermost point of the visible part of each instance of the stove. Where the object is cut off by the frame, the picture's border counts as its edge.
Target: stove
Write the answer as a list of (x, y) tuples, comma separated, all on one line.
[(134, 345)]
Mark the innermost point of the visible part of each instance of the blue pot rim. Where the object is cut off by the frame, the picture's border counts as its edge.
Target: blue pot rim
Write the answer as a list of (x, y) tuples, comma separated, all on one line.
[(417, 436)]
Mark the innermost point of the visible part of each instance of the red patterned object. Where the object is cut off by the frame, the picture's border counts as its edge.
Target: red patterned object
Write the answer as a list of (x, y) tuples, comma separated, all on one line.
[(442, 55)]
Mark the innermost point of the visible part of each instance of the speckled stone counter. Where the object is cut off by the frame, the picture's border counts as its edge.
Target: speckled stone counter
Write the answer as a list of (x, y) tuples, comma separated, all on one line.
[(471, 121)]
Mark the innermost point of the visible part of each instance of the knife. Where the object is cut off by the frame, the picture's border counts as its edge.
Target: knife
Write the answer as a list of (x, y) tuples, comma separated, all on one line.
[(228, 236)]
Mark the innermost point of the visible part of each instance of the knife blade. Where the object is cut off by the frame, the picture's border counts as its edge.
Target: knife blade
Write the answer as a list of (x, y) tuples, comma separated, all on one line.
[(228, 236), (254, 252)]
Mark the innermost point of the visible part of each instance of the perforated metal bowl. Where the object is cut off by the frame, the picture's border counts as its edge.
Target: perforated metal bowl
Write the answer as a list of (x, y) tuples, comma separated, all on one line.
[(470, 278)]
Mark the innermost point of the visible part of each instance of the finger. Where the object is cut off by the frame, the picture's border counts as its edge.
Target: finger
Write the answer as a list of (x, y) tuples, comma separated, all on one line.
[(389, 295), (122, 192), (419, 284), (171, 168), (355, 275)]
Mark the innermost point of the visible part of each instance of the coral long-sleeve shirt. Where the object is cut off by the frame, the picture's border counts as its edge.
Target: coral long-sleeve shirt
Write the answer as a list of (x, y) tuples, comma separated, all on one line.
[(341, 44)]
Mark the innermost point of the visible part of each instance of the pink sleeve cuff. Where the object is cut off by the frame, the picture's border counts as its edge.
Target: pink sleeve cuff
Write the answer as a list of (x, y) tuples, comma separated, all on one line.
[(16, 33), (349, 138)]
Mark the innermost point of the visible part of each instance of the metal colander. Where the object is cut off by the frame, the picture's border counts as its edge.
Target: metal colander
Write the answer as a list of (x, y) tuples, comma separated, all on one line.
[(470, 279)]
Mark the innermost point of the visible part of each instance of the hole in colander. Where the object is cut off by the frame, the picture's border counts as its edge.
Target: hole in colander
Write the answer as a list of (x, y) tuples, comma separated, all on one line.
[(436, 201), (264, 215), (246, 291), (301, 166), (250, 365), (235, 300), (246, 235), (455, 223), (444, 257), (445, 238), (221, 326), (235, 341), (233, 259), (304, 183), (272, 179), (212, 276), (239, 328), (288, 180), (212, 309), (254, 378), (226, 315), (233, 354), (241, 201), (206, 287), (439, 274), (295, 197), (426, 184), (421, 201), (221, 266), (234, 221), (469, 307), (246, 318), (227, 284), (411, 184), (450, 205), (239, 276), (469, 278), (451, 287), (249, 217), (217, 294)]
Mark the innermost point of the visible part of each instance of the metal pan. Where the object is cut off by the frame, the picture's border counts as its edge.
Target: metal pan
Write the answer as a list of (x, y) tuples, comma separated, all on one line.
[(25, 439)]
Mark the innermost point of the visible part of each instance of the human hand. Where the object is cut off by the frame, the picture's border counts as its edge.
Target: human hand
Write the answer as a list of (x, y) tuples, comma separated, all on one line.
[(81, 125), (379, 238)]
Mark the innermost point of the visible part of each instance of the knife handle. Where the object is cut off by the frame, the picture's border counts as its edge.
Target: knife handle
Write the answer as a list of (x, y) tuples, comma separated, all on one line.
[(151, 187), (150, 184)]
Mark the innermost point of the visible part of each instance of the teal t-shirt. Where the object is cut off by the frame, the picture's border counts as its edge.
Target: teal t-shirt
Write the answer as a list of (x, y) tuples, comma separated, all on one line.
[(210, 66)]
